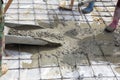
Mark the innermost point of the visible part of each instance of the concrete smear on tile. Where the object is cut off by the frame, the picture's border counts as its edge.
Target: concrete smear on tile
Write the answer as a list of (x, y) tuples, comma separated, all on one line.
[(76, 40), (117, 69)]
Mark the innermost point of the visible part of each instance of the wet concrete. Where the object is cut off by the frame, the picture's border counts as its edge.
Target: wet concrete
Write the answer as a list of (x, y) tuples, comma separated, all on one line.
[(81, 45), (117, 69)]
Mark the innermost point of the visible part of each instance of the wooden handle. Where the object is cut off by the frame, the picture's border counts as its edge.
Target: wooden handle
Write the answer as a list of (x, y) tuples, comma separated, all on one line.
[(72, 3), (7, 5)]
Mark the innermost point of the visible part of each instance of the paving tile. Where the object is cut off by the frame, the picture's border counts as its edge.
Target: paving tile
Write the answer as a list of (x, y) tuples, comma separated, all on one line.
[(82, 79), (11, 64), (53, 2), (113, 59), (116, 70), (25, 11), (68, 79), (28, 52), (27, 22), (88, 79), (68, 18), (25, 5), (88, 17), (103, 70), (99, 4), (68, 72), (81, 59), (113, 78), (85, 71), (118, 78), (13, 12), (42, 12), (12, 52), (97, 60), (50, 73), (21, 1), (42, 17), (30, 74), (48, 60), (22, 17), (25, 55), (39, 1), (29, 63), (13, 16), (10, 75)]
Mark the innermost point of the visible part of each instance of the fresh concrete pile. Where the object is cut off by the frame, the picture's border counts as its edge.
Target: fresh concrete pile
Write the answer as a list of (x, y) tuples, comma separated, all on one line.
[(78, 43)]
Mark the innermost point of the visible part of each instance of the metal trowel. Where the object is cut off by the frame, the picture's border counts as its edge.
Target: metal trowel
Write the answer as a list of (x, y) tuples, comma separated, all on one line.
[(28, 40), (22, 26)]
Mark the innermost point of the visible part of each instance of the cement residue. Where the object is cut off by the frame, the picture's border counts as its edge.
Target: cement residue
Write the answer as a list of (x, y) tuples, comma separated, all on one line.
[(107, 44), (76, 40), (117, 39), (73, 47), (117, 69)]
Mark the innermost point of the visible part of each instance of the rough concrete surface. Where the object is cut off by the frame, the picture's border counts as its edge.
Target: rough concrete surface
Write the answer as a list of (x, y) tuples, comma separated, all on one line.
[(87, 52), (77, 41)]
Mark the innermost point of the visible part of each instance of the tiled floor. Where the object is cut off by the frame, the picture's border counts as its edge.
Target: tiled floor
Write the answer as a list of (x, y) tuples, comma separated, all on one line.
[(96, 66)]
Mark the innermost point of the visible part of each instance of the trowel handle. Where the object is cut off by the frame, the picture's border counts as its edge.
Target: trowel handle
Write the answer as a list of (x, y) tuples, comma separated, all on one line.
[(81, 3), (7, 5), (72, 2)]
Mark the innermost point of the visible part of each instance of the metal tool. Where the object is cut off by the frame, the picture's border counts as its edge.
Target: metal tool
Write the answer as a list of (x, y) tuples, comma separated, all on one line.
[(79, 10), (13, 39), (22, 26), (28, 40)]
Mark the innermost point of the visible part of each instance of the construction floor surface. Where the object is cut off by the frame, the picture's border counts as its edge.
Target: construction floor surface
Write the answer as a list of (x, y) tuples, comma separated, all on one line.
[(87, 52)]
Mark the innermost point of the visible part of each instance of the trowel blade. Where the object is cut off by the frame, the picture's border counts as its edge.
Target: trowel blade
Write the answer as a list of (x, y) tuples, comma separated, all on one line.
[(13, 39), (22, 26)]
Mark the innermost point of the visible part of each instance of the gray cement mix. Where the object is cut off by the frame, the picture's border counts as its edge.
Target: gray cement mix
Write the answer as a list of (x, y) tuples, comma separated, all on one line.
[(78, 43), (117, 69)]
